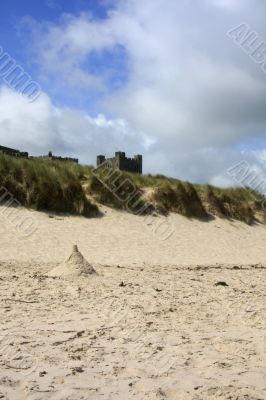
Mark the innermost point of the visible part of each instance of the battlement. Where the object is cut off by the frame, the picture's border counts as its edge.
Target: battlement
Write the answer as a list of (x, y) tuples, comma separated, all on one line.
[(121, 162)]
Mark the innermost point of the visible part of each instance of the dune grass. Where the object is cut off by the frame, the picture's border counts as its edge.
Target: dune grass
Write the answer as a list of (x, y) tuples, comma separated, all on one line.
[(46, 185), (232, 204), (173, 195), (118, 190), (179, 198), (77, 189)]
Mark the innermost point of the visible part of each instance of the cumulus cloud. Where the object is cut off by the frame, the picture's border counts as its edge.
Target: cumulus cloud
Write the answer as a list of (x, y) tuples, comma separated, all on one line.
[(230, 4), (190, 90), (41, 126)]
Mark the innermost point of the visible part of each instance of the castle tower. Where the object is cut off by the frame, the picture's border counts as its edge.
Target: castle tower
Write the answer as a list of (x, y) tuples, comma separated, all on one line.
[(100, 160), (138, 158), (119, 159)]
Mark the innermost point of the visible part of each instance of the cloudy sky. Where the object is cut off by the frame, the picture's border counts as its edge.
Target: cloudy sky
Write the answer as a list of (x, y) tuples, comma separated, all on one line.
[(157, 77)]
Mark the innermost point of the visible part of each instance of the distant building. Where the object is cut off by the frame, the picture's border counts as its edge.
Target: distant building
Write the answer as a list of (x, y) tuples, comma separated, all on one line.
[(121, 162), (24, 154), (13, 152), (50, 156)]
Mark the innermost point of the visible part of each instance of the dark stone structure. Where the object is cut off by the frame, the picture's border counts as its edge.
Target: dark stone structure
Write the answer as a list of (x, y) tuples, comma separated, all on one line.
[(50, 156), (121, 162), (24, 154), (13, 152)]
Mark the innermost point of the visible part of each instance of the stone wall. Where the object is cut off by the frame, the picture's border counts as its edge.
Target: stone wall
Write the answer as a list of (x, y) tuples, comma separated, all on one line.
[(121, 162), (50, 156), (13, 152)]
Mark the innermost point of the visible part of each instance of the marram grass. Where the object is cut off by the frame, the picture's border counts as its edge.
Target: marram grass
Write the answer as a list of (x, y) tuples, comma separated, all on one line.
[(66, 187)]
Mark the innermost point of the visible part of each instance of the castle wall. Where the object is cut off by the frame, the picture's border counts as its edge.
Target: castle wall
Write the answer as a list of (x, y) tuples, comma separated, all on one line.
[(50, 156), (130, 165), (58, 158), (13, 152)]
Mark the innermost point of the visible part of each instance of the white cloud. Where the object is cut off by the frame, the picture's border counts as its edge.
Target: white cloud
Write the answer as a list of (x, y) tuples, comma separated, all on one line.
[(40, 126), (194, 94), (230, 4)]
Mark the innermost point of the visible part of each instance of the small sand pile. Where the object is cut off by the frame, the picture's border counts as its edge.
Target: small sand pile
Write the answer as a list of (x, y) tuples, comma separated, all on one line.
[(75, 265)]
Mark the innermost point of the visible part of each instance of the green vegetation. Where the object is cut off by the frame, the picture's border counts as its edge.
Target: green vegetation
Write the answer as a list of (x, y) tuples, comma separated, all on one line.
[(116, 189), (71, 188), (45, 185), (179, 198), (231, 204)]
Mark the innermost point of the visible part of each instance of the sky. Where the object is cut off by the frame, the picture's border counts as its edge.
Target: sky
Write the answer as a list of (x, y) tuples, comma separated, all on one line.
[(160, 78)]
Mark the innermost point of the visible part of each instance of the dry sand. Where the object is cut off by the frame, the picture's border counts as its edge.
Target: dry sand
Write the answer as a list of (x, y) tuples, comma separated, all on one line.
[(153, 324)]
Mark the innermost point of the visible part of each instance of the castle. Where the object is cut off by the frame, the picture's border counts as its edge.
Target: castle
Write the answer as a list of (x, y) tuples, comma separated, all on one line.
[(13, 152), (24, 154), (121, 162)]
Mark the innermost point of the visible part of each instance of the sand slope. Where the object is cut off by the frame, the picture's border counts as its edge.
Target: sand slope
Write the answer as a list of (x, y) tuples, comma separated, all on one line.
[(119, 237)]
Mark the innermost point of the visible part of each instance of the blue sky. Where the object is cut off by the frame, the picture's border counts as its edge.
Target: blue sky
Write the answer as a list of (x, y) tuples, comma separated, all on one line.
[(15, 36), (159, 77), (13, 11)]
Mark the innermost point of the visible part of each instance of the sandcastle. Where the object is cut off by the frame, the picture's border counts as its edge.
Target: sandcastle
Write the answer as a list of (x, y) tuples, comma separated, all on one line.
[(74, 265)]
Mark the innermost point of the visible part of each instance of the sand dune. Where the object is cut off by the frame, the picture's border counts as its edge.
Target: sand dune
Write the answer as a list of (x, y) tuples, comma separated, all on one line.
[(182, 318), (121, 238)]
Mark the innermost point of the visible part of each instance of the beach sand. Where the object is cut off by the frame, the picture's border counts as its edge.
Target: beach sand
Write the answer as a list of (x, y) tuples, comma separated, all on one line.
[(180, 318)]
